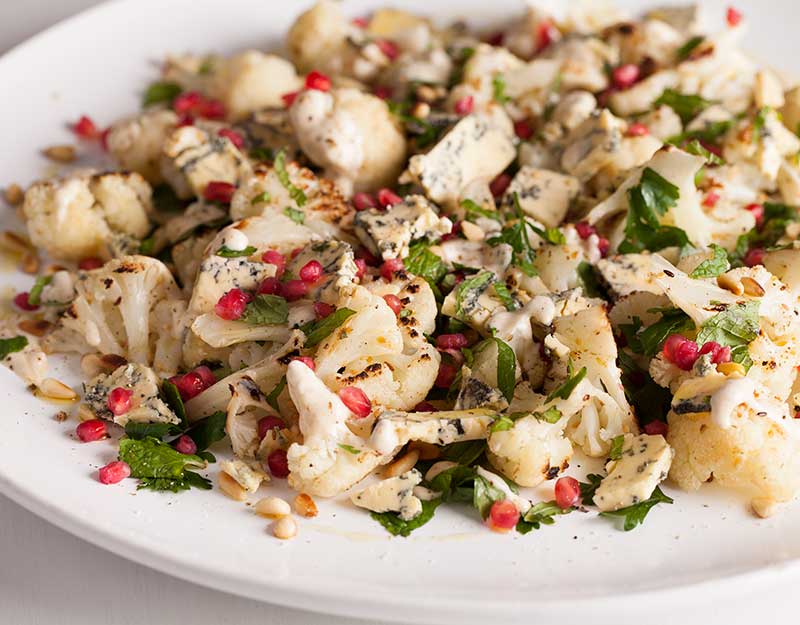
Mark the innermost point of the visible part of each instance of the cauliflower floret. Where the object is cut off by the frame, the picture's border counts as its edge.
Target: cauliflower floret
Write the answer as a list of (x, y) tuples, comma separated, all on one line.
[(75, 217), (146, 405), (352, 135), (218, 332), (135, 142), (247, 405), (394, 494), (170, 329), (114, 311), (197, 216)]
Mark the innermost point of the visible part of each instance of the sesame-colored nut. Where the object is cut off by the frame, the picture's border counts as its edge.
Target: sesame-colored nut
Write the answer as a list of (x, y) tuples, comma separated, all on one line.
[(427, 451), (231, 487), (15, 243), (284, 528), (14, 194), (56, 389), (273, 507), (402, 464), (421, 110), (29, 263), (60, 153), (36, 327), (751, 287), (305, 506), (426, 93), (472, 232), (764, 507), (727, 282), (438, 468), (731, 369)]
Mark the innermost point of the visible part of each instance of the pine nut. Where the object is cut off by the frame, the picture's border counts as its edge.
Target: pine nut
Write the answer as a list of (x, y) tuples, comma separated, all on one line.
[(472, 232), (90, 365), (751, 287), (421, 110), (37, 327), (731, 368), (231, 487), (304, 505), (284, 528), (95, 364), (60, 153), (764, 507), (438, 468), (85, 413), (273, 507), (426, 93), (427, 451), (14, 194), (29, 263), (15, 243), (110, 362), (724, 281), (402, 464), (55, 389)]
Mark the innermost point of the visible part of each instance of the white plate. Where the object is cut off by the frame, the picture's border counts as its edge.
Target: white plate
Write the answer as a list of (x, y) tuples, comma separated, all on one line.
[(704, 548)]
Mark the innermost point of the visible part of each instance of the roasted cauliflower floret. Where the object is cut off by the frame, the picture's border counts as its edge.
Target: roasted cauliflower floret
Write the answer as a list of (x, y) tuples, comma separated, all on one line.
[(76, 217), (136, 142)]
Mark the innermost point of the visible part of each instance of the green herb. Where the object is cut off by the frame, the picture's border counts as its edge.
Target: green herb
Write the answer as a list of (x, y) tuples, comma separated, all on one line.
[(712, 267), (650, 340), (173, 399), (735, 327), (504, 295), (283, 176), (318, 331), (350, 449), (261, 197), (553, 236), (272, 397), (759, 122), (648, 201), (616, 447), (589, 488), (484, 494), (266, 310), (540, 514), (776, 218), (424, 132), (634, 515), (208, 430), (161, 92), (35, 294), (551, 415), (398, 527), (297, 216), (206, 67), (565, 390), (148, 246), (686, 106), (499, 89), (139, 431), (687, 48), (516, 235), (478, 282), (455, 484), (226, 252), (650, 401), (474, 211), (502, 423), (506, 365), (263, 154), (424, 263), (160, 465), (189, 480), (589, 281), (696, 148), (464, 452), (710, 132)]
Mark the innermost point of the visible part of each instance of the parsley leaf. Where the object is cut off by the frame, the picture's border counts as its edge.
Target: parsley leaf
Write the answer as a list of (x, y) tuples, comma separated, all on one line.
[(35, 294), (712, 267), (615, 453), (696, 148), (297, 216), (565, 390), (540, 514), (398, 527), (280, 170), (502, 423), (473, 211), (776, 218), (261, 197), (484, 494), (266, 310), (634, 515), (551, 415), (161, 92), (499, 89), (424, 263), (471, 288), (516, 235), (272, 397), (226, 252), (504, 295), (686, 106), (318, 331), (553, 236), (589, 281), (506, 368), (736, 327), (687, 48), (173, 399), (350, 449), (650, 340), (759, 122), (589, 488), (152, 458)]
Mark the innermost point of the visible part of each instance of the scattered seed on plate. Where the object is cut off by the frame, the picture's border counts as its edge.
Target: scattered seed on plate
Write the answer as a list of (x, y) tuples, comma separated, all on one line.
[(29, 263), (305, 506), (284, 528), (273, 507), (56, 389), (36, 327), (60, 153), (13, 194)]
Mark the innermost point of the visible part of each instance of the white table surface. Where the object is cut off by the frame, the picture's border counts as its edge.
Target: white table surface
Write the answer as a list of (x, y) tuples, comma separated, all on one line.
[(49, 576)]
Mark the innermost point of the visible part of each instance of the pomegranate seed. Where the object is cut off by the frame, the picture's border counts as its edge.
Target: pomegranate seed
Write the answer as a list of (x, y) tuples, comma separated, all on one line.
[(295, 252), (308, 361), (625, 76), (464, 105), (234, 137), (757, 210), (568, 492), (218, 191), (356, 400), (85, 128), (206, 375), (363, 201), (389, 48), (723, 355), (384, 93), (274, 257), (451, 341), (656, 427), (733, 17), (446, 375), (711, 199), (278, 463), (496, 39), (637, 129), (269, 286), (22, 302), (232, 304), (192, 103), (503, 516), (499, 185), (87, 264), (546, 33), (680, 351), (104, 138), (394, 303), (288, 98), (119, 400), (388, 198), (714, 149), (91, 430), (424, 406), (523, 129), (311, 271), (390, 266), (585, 229), (710, 347), (367, 256), (318, 81), (267, 424), (603, 245), (189, 385), (211, 109), (322, 310), (754, 257), (186, 102), (360, 22), (114, 472), (186, 445), (362, 267), (293, 290), (185, 120)]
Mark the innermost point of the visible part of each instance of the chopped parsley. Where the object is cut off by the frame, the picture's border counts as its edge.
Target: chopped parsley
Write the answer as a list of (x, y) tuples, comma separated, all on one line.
[(266, 310), (735, 327), (226, 252), (617, 443), (261, 197), (477, 283), (318, 331), (516, 235), (634, 515), (687, 48), (553, 236), (697, 148), (474, 211), (161, 93), (297, 216), (565, 390), (424, 263), (350, 449), (396, 526), (650, 340), (15, 344), (589, 488), (504, 295), (540, 514), (499, 89), (551, 415), (283, 176), (710, 132), (506, 365), (272, 397), (35, 294), (686, 106)]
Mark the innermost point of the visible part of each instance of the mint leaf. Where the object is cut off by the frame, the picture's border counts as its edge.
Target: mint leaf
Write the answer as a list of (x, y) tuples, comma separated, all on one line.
[(650, 340), (464, 452), (139, 431), (712, 267), (283, 176), (471, 288), (540, 514), (398, 527), (553, 236), (152, 458), (318, 331), (504, 295), (226, 252), (161, 93), (9, 346), (634, 515), (297, 216), (502, 423), (589, 488), (516, 235), (424, 263), (686, 106), (190, 479), (759, 122), (173, 399), (506, 368), (696, 148), (735, 327), (565, 390), (208, 430), (266, 310), (484, 494), (35, 294)]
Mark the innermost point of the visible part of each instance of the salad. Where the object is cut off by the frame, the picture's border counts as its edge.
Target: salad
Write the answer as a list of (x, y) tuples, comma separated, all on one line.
[(412, 266)]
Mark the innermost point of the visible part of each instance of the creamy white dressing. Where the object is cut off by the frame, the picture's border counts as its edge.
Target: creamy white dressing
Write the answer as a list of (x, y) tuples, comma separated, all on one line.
[(321, 414), (384, 437), (60, 289), (738, 391), (522, 504), (235, 240)]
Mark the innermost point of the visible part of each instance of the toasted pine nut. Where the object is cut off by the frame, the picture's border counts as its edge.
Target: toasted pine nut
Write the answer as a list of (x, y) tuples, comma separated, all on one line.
[(764, 507), (14, 194), (402, 464), (37, 327), (304, 505), (751, 287), (273, 507), (15, 243), (438, 468), (110, 362), (472, 232), (29, 263), (56, 389), (426, 93), (284, 528), (427, 451), (60, 153), (421, 110), (90, 365), (724, 281), (231, 487), (731, 368)]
